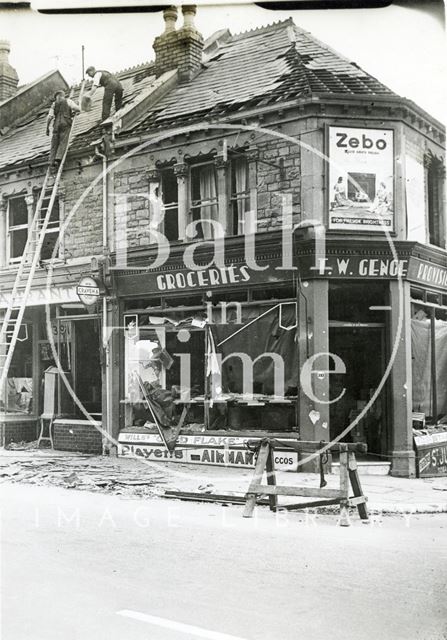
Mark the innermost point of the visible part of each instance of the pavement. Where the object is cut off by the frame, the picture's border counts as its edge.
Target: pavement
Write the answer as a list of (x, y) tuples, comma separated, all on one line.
[(139, 478)]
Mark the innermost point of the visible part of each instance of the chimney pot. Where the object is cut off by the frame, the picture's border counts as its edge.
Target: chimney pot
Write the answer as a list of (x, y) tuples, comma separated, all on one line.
[(189, 11), (170, 18)]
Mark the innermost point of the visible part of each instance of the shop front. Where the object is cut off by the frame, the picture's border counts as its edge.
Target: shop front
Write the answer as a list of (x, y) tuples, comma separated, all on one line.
[(211, 355), (387, 322), (55, 369), (223, 353)]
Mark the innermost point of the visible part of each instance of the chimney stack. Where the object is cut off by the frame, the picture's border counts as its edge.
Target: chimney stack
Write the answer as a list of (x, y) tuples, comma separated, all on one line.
[(8, 75), (179, 49)]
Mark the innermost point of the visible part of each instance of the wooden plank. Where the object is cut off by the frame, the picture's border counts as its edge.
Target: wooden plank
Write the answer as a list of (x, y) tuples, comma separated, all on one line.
[(256, 480), (311, 446), (306, 505), (306, 492)]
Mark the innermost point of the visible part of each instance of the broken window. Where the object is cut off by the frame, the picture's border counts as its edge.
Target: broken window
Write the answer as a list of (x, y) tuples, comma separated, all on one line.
[(203, 186), (240, 194), (17, 227), (19, 384), (429, 357)]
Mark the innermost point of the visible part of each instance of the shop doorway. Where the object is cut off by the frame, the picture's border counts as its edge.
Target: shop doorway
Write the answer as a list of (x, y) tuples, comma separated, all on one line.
[(362, 350), (87, 366)]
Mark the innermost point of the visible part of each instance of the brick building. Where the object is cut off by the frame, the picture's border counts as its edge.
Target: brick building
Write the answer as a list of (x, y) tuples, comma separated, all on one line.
[(257, 194)]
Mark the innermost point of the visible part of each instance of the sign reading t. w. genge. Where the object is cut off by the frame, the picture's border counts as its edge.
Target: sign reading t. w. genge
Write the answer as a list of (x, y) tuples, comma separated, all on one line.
[(361, 179)]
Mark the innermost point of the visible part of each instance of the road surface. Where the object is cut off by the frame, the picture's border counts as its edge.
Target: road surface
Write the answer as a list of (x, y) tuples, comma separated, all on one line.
[(81, 566)]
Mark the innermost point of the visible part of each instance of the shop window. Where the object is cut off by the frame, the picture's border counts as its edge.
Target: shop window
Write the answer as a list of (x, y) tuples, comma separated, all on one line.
[(169, 196), (18, 396), (53, 228), (429, 360), (17, 227), (240, 194), (355, 302), (435, 201), (203, 190)]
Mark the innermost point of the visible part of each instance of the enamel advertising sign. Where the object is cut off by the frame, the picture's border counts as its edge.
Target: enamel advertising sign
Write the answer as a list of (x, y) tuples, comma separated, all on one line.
[(361, 179)]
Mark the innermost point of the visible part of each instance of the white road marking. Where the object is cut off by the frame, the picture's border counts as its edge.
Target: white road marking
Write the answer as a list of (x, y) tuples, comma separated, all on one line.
[(177, 626)]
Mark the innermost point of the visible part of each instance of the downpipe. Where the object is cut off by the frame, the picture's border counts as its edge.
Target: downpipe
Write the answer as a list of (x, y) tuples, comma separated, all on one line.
[(105, 333)]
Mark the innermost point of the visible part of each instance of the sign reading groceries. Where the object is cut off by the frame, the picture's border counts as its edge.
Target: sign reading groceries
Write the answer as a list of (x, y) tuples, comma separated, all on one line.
[(361, 179)]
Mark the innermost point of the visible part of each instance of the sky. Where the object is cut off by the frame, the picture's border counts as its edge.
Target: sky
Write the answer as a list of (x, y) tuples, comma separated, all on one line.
[(403, 46)]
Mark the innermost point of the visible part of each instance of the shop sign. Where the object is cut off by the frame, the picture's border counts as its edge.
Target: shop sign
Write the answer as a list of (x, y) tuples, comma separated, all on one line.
[(228, 451), (361, 179), (37, 297), (427, 273), (88, 290), (189, 280), (431, 451), (354, 267)]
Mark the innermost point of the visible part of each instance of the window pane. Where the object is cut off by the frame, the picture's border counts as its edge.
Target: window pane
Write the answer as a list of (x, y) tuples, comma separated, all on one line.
[(48, 246), (18, 242), (18, 212)]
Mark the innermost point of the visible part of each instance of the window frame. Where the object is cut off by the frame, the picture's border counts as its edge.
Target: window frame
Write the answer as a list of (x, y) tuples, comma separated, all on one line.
[(11, 229)]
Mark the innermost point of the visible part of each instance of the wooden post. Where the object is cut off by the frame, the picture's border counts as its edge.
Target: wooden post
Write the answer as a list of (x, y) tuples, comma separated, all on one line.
[(344, 486), (256, 480), (271, 478), (356, 486)]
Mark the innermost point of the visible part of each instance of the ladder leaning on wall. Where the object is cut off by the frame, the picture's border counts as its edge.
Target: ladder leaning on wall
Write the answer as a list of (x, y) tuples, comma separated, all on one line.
[(29, 262)]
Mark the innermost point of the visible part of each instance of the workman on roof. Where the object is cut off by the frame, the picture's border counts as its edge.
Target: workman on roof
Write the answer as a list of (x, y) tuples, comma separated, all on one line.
[(61, 115), (113, 89)]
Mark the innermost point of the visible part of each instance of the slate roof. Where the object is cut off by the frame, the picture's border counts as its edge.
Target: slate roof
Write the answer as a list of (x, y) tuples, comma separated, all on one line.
[(267, 65), (255, 68), (28, 140)]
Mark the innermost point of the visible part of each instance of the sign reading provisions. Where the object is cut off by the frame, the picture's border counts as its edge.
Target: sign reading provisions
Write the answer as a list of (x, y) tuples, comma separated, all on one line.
[(88, 290)]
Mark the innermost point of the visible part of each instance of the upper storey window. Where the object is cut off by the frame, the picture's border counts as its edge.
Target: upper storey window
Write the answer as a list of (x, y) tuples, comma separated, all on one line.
[(203, 192), (435, 178), (17, 227)]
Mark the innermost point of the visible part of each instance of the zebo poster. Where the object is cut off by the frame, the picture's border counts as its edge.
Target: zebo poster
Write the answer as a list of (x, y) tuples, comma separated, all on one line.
[(361, 179)]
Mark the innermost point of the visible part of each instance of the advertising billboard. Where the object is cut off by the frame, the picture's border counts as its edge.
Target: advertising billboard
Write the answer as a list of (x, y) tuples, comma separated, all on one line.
[(361, 179)]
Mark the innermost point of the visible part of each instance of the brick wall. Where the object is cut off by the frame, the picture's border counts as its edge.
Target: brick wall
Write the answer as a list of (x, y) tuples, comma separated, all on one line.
[(20, 431), (81, 437), (83, 233), (271, 185)]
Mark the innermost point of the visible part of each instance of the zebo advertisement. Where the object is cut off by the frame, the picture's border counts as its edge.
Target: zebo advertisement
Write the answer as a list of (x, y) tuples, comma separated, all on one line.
[(361, 179)]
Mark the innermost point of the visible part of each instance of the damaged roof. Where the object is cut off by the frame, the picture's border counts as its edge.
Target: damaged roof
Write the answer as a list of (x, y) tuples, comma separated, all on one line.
[(263, 66), (28, 139), (255, 68)]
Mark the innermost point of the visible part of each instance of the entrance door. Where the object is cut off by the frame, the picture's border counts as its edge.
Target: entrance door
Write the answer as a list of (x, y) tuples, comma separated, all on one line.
[(362, 349), (87, 367)]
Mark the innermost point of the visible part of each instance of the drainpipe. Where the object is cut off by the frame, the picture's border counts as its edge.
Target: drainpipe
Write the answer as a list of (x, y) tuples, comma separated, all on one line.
[(105, 336)]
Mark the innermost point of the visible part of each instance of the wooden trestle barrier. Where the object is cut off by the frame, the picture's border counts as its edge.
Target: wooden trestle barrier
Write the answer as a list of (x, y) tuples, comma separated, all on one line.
[(348, 474)]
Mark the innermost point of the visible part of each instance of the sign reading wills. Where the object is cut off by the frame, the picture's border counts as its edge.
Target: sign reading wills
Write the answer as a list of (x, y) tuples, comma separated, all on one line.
[(361, 179)]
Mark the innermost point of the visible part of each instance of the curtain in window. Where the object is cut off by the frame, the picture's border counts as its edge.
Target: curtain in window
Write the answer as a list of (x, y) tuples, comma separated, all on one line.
[(240, 176), (421, 356), (208, 193), (266, 335)]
